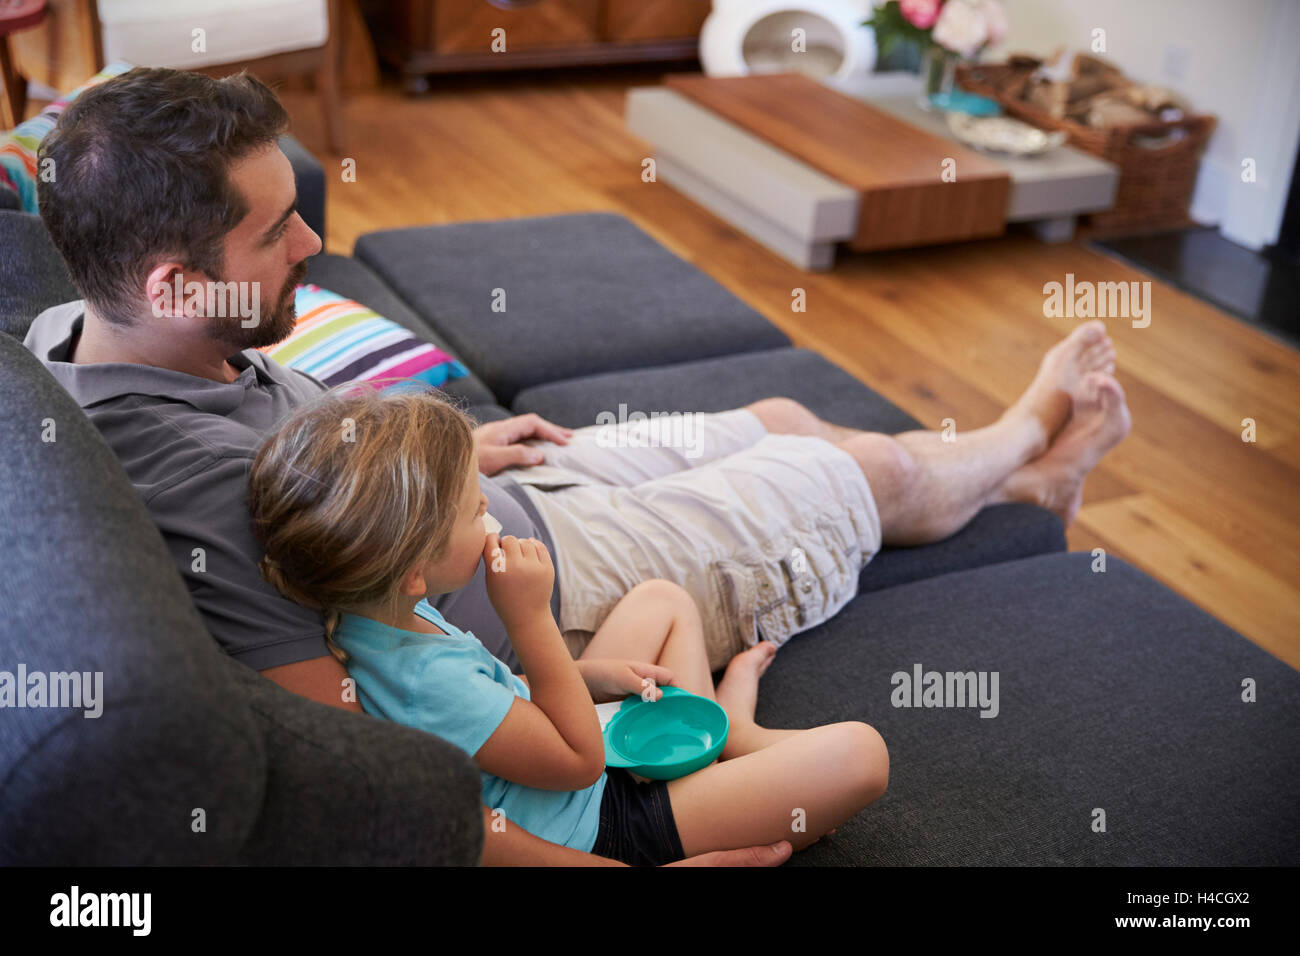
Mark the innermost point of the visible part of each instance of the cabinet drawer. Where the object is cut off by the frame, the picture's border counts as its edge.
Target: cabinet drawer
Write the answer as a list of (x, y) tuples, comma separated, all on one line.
[(465, 26)]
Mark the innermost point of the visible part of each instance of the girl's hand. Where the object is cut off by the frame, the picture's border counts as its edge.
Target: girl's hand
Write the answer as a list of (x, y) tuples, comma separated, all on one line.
[(519, 579), (609, 680)]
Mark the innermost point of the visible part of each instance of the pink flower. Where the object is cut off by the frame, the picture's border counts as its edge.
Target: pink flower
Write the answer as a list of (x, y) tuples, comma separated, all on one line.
[(962, 27), (920, 13)]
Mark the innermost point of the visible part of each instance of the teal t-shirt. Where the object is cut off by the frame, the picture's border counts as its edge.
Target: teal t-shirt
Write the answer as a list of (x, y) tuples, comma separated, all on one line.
[(452, 686)]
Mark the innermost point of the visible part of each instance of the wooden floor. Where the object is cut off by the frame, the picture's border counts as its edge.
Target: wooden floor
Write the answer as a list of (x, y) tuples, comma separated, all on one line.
[(948, 332)]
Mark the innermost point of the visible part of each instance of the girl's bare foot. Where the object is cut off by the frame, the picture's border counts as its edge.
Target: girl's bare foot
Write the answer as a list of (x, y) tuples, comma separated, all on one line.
[(737, 693)]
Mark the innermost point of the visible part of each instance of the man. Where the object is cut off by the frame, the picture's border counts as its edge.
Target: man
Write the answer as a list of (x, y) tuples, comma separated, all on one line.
[(165, 177)]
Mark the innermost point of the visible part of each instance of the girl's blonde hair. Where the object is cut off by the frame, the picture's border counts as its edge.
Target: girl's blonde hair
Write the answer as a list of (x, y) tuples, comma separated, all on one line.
[(353, 490)]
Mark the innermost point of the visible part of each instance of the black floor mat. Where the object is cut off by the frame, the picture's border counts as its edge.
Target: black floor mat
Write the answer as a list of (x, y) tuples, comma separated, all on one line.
[(1261, 288)]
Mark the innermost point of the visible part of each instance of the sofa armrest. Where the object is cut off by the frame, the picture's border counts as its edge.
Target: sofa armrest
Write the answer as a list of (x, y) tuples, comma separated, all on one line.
[(155, 747), (310, 179), (346, 789)]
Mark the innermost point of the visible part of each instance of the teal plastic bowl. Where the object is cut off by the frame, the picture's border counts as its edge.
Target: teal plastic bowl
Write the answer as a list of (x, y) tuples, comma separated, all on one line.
[(667, 738)]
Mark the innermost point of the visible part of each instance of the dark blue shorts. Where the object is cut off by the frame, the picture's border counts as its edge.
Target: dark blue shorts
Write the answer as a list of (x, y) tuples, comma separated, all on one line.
[(636, 822)]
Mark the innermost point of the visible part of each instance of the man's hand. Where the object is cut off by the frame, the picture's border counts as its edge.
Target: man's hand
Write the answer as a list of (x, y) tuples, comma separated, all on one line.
[(321, 678), (773, 855), (497, 443), (614, 679)]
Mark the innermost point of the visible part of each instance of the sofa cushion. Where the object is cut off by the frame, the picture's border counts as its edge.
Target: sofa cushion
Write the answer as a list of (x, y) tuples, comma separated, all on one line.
[(1005, 532), (488, 412), (998, 533), (161, 34), (716, 385), (1114, 693), (582, 293), (35, 277)]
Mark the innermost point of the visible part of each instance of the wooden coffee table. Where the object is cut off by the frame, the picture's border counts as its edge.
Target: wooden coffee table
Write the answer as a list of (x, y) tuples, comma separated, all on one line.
[(801, 166)]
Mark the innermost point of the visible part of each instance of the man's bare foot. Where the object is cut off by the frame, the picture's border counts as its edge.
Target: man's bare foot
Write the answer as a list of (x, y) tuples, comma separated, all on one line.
[(737, 692), (1100, 420), (1060, 375)]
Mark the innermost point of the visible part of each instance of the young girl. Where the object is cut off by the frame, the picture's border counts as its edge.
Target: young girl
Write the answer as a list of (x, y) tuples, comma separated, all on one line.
[(369, 503)]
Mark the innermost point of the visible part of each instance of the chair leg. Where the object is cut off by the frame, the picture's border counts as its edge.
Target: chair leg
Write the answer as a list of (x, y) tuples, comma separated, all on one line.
[(91, 31), (13, 89), (328, 79), (327, 87)]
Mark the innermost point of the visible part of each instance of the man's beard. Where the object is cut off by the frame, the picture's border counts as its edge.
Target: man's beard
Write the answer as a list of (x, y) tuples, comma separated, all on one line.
[(274, 324)]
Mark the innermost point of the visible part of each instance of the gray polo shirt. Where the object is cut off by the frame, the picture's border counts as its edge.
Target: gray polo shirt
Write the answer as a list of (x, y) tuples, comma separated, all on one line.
[(187, 444)]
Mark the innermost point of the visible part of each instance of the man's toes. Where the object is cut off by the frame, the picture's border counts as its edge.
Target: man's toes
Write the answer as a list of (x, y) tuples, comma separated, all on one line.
[(1094, 384), (1112, 396), (1106, 387), (1096, 356), (1111, 400)]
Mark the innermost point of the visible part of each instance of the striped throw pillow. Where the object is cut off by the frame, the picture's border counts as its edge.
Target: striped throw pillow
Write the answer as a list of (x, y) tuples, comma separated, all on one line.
[(337, 340)]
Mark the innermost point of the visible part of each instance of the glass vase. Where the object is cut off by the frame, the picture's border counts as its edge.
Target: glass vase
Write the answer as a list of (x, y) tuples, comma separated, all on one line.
[(939, 70)]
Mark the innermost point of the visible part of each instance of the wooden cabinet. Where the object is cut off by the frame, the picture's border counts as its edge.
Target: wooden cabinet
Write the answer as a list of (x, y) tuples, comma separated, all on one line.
[(629, 20), (424, 37)]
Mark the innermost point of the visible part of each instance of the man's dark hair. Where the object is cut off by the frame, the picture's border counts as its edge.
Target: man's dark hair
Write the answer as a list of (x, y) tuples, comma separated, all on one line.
[(141, 173)]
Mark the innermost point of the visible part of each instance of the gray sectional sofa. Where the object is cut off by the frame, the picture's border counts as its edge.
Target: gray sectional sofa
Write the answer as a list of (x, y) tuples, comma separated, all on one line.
[(1116, 695)]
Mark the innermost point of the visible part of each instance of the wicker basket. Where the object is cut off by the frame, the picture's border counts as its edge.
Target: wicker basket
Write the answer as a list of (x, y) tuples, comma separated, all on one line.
[(1157, 161)]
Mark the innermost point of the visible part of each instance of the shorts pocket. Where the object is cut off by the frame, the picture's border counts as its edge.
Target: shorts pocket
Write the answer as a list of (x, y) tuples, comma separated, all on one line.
[(843, 559), (735, 600), (831, 561), (806, 579), (754, 602), (819, 572), (548, 478)]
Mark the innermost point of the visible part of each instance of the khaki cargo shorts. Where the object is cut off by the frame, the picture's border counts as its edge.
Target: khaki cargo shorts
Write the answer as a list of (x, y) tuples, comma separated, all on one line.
[(768, 533)]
